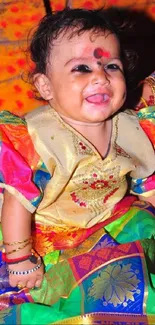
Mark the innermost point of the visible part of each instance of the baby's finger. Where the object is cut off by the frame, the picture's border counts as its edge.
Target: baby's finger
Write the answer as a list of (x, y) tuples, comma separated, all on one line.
[(38, 283), (30, 284), (13, 281)]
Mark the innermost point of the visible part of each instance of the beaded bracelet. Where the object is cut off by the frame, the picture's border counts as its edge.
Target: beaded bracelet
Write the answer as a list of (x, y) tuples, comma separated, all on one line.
[(25, 272)]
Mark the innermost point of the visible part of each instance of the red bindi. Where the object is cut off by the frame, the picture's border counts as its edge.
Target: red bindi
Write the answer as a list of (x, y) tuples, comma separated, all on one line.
[(98, 53)]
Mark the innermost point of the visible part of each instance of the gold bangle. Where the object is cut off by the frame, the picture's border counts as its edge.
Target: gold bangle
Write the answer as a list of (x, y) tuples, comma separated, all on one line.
[(144, 101), (17, 242), (19, 248)]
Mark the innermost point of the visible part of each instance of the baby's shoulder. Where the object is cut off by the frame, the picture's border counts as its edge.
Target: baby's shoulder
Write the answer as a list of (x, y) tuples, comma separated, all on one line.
[(15, 138), (130, 130), (128, 121), (128, 116), (38, 116)]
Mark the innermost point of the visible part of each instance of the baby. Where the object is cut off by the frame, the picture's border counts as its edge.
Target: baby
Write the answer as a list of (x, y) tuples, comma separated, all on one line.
[(67, 163)]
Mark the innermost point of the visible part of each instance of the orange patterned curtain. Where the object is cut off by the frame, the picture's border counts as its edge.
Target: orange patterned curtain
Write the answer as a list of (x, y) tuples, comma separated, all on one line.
[(17, 18)]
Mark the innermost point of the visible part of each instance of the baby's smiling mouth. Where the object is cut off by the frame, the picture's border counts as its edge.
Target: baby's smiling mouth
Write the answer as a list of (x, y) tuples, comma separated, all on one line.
[(98, 98)]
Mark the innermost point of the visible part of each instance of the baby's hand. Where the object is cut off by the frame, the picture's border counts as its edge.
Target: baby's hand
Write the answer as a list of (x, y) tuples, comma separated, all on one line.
[(30, 280)]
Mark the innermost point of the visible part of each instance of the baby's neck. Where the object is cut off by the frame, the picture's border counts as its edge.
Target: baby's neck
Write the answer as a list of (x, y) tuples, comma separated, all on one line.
[(99, 134), (79, 124)]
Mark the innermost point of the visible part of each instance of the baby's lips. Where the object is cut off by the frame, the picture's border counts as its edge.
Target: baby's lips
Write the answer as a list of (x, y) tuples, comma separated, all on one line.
[(97, 98)]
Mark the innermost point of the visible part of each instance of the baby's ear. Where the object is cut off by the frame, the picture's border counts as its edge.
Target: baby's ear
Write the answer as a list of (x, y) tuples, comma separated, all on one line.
[(43, 86)]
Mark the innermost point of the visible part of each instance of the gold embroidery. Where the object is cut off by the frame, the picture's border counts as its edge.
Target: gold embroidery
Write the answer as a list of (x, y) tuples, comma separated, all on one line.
[(58, 282), (85, 247), (94, 191), (100, 318), (85, 185), (121, 152), (118, 151), (115, 285), (84, 147), (81, 147)]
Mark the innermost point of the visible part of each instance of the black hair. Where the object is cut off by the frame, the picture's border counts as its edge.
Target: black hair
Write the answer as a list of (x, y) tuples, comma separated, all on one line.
[(77, 21)]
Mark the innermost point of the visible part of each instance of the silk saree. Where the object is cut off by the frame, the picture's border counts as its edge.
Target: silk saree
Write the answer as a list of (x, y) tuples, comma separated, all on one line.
[(101, 274)]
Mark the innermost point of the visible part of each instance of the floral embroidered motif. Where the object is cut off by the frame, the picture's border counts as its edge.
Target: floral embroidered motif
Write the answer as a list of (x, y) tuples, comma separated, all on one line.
[(77, 200), (115, 285), (81, 148), (121, 152), (85, 262), (94, 191)]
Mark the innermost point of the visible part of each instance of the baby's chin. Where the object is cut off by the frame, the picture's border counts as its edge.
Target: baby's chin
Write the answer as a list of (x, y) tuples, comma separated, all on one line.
[(97, 113)]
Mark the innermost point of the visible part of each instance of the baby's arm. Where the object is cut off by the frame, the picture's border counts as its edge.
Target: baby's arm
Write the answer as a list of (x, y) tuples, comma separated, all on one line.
[(16, 229)]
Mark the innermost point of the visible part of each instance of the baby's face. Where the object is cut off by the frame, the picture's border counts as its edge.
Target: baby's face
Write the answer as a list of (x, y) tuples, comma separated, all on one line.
[(85, 77)]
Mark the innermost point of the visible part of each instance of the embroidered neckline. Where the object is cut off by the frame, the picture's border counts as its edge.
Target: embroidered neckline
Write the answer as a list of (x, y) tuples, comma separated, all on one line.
[(86, 144)]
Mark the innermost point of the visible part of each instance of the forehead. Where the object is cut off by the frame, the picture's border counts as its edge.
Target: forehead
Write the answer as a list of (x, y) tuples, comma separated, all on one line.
[(84, 44)]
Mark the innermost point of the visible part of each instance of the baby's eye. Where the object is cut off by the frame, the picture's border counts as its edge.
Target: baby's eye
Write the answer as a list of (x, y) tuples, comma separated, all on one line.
[(112, 66), (82, 68)]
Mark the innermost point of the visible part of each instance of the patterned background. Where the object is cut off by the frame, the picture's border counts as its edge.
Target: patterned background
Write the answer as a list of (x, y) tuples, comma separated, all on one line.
[(18, 17)]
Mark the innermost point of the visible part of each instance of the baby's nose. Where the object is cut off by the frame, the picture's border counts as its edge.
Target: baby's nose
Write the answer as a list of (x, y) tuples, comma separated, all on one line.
[(100, 77)]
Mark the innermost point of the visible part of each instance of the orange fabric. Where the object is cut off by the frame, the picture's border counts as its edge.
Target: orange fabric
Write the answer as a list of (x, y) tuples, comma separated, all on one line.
[(17, 18)]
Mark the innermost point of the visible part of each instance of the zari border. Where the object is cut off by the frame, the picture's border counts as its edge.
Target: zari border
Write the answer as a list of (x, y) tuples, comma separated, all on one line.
[(79, 281), (146, 277), (108, 319), (19, 196)]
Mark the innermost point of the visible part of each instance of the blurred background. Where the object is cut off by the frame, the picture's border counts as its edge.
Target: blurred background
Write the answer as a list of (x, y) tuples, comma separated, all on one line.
[(18, 18)]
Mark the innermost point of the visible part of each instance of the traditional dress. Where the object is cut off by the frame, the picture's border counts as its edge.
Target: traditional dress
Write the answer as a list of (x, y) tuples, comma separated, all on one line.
[(96, 241)]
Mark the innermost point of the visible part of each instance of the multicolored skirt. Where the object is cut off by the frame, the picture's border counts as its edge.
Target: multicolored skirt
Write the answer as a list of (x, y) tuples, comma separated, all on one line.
[(108, 279)]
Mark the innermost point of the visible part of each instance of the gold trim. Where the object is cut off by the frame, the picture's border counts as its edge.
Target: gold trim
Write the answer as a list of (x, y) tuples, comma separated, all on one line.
[(94, 151), (26, 203), (146, 277), (108, 319), (84, 247)]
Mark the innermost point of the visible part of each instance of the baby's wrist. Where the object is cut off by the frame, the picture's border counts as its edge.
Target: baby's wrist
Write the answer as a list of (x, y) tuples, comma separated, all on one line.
[(31, 256), (17, 248), (25, 267), (18, 254)]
